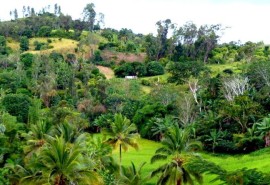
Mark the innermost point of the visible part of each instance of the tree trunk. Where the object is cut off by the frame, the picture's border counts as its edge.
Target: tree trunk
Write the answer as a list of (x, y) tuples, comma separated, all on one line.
[(120, 158), (120, 153)]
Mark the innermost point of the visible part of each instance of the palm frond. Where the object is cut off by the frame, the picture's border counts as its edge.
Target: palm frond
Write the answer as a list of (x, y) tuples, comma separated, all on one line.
[(158, 157)]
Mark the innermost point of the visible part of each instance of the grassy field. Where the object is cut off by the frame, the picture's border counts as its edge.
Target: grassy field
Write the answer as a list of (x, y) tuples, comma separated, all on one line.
[(59, 45), (259, 160), (236, 67)]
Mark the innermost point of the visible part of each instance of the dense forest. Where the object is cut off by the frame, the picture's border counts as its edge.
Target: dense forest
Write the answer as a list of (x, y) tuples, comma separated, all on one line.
[(77, 97)]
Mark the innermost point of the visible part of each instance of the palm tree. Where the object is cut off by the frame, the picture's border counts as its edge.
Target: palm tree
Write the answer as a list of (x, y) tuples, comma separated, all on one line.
[(132, 176), (63, 163), (214, 137), (35, 138), (101, 152), (160, 126), (177, 145), (263, 128), (122, 134)]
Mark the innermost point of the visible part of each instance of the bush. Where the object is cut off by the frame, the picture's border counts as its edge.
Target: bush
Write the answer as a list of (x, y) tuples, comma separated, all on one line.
[(154, 68), (27, 60), (40, 45), (130, 69), (97, 57), (44, 31), (56, 56), (24, 43), (17, 105), (146, 82), (62, 34)]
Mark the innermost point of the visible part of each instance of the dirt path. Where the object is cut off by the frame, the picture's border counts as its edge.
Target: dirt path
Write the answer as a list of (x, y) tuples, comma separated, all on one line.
[(108, 72)]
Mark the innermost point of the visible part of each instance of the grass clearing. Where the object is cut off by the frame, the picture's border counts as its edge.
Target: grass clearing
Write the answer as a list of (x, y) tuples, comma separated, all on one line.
[(236, 67), (108, 72), (58, 45), (259, 160)]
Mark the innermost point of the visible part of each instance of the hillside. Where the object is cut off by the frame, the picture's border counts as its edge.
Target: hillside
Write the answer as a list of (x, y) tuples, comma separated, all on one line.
[(69, 114)]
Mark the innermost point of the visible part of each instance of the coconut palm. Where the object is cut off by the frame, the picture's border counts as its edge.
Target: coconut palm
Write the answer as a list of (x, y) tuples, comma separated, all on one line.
[(63, 163), (160, 126), (122, 134), (214, 137), (132, 176), (35, 138), (101, 152), (263, 128), (177, 145)]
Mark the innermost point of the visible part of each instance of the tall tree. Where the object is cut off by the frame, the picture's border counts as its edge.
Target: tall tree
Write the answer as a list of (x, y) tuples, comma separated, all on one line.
[(207, 40), (122, 134), (63, 163), (163, 29), (176, 145), (90, 15)]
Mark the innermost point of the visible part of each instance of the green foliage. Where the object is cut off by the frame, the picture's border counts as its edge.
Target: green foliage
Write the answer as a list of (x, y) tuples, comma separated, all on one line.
[(181, 71), (24, 44), (130, 69), (154, 68), (3, 46), (27, 60), (56, 56), (10, 81), (122, 134), (44, 31), (96, 59), (17, 105), (144, 114)]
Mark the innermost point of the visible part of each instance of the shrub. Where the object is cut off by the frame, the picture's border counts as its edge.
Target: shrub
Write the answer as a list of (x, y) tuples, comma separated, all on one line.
[(27, 60), (44, 31), (154, 68), (24, 43), (17, 105), (56, 56)]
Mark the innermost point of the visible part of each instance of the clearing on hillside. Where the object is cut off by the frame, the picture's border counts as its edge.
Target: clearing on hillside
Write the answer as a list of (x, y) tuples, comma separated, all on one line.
[(108, 55), (108, 72)]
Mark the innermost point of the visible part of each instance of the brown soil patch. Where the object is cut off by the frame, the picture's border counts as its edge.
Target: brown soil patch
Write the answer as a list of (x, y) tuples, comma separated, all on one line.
[(108, 72), (119, 56)]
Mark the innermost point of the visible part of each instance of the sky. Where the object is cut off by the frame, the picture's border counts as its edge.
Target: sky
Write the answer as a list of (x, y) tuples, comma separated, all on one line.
[(246, 20)]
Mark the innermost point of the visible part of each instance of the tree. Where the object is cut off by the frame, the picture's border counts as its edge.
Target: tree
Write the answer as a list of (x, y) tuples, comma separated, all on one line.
[(176, 145), (36, 137), (132, 176), (44, 31), (154, 68), (90, 15), (65, 22), (122, 134), (187, 35), (3, 45), (161, 126), (27, 60), (234, 86), (24, 44), (181, 71), (62, 163), (263, 128), (259, 74), (15, 13), (207, 40), (151, 46), (214, 137), (17, 105), (163, 29)]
